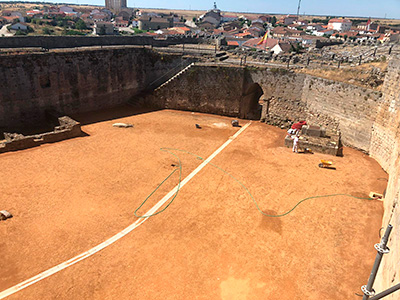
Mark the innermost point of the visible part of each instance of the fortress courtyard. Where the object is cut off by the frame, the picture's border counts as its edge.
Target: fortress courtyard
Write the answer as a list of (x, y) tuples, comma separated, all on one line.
[(211, 242)]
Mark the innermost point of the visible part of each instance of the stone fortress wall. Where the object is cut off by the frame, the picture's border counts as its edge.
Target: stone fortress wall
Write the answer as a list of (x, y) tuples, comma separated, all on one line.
[(385, 148), (77, 81), (204, 89), (334, 105), (74, 81), (288, 97), (54, 42)]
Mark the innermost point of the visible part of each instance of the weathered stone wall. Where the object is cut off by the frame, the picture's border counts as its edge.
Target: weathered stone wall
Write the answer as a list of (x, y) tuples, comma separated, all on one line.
[(74, 81), (52, 42), (336, 105), (204, 89), (279, 83), (288, 97), (68, 128), (291, 97), (385, 148)]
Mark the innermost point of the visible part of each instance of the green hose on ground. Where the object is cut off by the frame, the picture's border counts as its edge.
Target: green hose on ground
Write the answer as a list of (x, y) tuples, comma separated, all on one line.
[(170, 150)]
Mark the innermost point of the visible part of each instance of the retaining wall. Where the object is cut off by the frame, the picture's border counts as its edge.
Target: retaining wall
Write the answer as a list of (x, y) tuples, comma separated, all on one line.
[(204, 89), (67, 129), (385, 148), (289, 97), (51, 42), (74, 81), (292, 96)]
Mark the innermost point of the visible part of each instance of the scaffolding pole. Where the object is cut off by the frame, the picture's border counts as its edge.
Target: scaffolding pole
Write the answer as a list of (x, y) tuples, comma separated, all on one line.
[(386, 292), (381, 249)]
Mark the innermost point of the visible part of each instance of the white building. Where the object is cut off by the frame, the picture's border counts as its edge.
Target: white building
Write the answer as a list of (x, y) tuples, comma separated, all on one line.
[(341, 25), (281, 47), (323, 32)]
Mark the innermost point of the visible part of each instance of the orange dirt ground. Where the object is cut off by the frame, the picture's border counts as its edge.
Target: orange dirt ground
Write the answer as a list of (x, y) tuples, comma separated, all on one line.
[(211, 243)]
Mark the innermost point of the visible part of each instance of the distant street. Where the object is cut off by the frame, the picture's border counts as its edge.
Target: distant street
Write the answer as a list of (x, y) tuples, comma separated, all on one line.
[(4, 32)]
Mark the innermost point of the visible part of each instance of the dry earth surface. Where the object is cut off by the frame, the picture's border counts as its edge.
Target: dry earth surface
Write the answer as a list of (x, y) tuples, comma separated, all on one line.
[(211, 243)]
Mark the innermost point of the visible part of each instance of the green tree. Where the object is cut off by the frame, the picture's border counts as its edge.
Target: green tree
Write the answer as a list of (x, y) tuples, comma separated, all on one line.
[(273, 20), (80, 24), (47, 31), (19, 32)]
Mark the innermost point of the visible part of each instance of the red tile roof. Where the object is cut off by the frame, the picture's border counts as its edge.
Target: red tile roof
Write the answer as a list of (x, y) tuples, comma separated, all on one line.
[(233, 43), (10, 18), (183, 28), (243, 34)]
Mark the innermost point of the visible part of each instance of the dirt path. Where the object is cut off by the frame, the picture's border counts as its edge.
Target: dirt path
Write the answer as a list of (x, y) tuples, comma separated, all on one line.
[(211, 243)]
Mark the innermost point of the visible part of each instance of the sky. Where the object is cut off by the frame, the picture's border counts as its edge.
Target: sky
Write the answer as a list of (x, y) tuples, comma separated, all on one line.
[(364, 8)]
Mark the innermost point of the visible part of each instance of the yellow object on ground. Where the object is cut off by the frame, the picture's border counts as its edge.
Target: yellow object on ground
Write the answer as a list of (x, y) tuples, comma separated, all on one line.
[(326, 164)]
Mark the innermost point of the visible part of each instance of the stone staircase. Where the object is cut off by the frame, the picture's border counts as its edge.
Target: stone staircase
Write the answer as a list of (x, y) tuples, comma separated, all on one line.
[(174, 77), (139, 99)]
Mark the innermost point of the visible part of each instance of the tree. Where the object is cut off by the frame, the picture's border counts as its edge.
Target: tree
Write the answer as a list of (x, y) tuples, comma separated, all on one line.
[(337, 35), (80, 24), (47, 31), (194, 19), (345, 37), (19, 32), (273, 20)]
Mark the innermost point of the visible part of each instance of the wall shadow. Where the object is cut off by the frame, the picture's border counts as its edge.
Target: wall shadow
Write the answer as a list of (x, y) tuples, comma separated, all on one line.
[(108, 114)]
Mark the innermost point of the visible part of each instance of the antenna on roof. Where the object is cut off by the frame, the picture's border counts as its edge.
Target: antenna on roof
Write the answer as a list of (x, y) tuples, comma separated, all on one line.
[(298, 10)]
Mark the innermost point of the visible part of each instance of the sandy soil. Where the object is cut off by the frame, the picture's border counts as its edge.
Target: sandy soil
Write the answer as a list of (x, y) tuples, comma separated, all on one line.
[(211, 243)]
